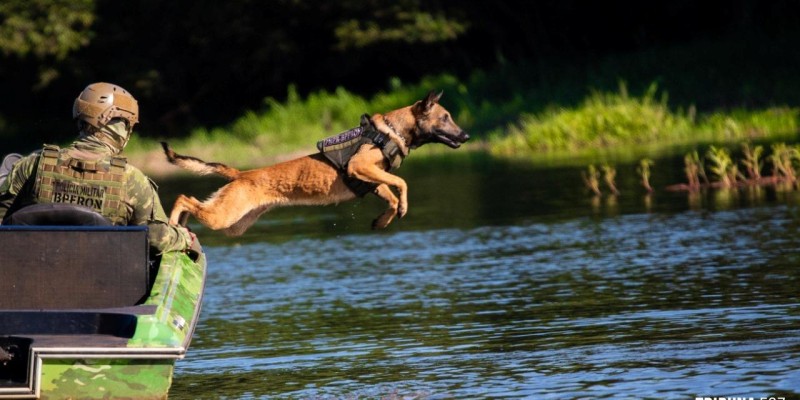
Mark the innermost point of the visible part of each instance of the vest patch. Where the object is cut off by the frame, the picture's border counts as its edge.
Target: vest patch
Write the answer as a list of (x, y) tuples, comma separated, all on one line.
[(81, 194), (343, 137)]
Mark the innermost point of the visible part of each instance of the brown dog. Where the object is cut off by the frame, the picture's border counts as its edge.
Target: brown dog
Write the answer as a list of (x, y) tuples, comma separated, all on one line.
[(315, 179)]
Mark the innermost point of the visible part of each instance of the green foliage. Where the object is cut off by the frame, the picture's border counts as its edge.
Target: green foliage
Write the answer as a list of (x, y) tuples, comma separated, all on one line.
[(752, 160), (297, 122), (693, 169), (609, 120), (742, 124), (591, 178), (644, 172), (602, 120), (515, 109), (784, 159), (403, 26), (610, 176), (199, 62), (722, 165), (45, 28)]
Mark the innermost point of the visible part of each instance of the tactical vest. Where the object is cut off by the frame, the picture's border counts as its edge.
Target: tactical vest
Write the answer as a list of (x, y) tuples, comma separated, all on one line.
[(99, 185), (339, 149)]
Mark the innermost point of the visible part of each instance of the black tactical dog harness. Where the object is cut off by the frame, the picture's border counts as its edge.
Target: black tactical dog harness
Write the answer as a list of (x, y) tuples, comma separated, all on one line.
[(339, 149)]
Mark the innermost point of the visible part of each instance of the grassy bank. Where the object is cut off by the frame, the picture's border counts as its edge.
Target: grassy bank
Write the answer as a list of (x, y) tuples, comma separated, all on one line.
[(604, 122), (703, 92)]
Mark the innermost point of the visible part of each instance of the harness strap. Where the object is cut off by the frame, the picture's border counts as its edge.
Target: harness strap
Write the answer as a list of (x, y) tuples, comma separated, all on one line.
[(390, 149)]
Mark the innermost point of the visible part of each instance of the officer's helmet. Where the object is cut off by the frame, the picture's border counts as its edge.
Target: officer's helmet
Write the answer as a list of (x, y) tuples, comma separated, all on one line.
[(101, 102)]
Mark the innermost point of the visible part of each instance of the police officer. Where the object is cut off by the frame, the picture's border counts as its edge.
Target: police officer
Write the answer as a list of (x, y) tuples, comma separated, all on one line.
[(90, 172)]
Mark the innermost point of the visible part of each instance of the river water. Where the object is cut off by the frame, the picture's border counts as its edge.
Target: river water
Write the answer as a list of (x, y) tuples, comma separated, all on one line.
[(505, 281)]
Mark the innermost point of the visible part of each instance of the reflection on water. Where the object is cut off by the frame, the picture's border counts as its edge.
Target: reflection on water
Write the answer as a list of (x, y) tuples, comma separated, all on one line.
[(506, 284)]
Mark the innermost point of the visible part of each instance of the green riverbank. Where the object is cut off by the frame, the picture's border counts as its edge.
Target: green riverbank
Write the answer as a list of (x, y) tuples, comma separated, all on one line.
[(615, 125), (629, 105)]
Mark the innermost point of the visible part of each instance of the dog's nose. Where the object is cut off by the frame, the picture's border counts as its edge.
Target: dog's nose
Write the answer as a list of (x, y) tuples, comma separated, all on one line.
[(464, 136)]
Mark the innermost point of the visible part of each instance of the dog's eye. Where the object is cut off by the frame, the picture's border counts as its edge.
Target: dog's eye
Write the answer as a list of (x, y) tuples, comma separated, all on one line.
[(446, 117)]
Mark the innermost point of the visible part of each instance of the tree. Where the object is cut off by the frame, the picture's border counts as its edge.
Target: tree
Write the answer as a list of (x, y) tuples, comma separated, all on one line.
[(47, 30), (402, 21)]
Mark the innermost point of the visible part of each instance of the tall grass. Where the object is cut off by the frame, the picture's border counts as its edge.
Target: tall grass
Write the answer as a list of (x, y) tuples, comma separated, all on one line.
[(784, 158), (694, 169), (280, 127), (722, 166), (752, 160), (643, 170), (591, 178), (606, 120)]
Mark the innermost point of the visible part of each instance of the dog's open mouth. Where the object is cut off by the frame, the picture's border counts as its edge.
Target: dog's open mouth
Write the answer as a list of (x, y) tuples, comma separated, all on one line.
[(453, 141)]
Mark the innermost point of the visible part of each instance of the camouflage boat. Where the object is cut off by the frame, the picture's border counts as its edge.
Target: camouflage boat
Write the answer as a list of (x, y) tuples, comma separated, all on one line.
[(86, 312)]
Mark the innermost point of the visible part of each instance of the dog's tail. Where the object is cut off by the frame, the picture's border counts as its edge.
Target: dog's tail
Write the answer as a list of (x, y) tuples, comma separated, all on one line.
[(199, 166)]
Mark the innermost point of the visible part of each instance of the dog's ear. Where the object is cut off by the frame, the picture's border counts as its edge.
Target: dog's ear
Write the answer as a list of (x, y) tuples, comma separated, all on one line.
[(434, 97), (366, 121), (424, 106)]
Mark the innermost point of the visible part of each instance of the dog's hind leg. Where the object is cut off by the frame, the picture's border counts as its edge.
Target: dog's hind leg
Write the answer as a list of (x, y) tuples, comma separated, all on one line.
[(382, 221), (180, 214), (180, 210), (183, 219), (214, 212)]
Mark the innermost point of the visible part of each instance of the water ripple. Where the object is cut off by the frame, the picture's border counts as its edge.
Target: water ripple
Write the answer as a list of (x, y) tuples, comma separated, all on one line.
[(646, 305)]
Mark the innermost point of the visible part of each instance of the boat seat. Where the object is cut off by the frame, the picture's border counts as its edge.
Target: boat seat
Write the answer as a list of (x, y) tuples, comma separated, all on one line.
[(72, 267)]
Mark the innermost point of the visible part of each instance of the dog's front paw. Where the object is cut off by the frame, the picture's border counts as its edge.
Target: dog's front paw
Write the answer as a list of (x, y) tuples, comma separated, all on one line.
[(402, 208), (382, 221), (377, 223)]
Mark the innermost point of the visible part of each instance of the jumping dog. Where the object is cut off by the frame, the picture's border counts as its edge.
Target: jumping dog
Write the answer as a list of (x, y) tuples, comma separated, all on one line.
[(314, 179)]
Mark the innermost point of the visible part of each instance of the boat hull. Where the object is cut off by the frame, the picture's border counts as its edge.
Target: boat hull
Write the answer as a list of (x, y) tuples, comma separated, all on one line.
[(120, 352)]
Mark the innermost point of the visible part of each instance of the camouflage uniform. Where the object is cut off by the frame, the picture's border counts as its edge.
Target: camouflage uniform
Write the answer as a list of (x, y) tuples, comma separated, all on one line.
[(141, 204)]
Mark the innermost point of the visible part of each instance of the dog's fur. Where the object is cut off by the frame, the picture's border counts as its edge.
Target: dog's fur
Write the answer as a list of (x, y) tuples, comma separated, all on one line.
[(313, 180)]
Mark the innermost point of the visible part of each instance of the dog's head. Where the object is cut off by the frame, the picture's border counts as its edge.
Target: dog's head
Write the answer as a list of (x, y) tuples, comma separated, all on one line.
[(434, 124)]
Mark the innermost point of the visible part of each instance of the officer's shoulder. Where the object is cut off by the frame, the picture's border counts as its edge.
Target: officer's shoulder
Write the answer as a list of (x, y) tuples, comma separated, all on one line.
[(131, 170), (138, 177), (30, 160)]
